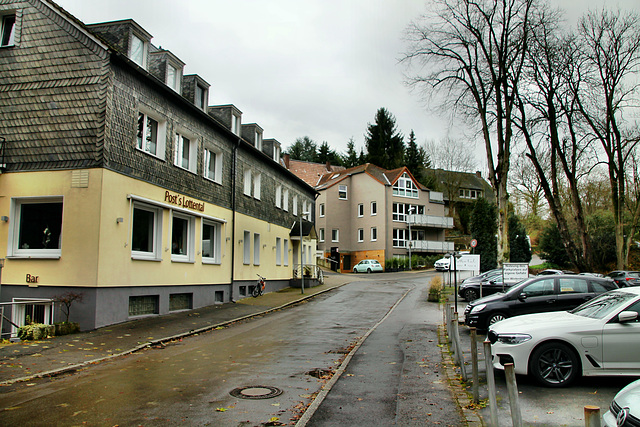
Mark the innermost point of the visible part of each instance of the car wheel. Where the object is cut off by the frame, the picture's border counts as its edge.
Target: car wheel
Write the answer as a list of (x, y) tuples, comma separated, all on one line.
[(470, 295), (554, 365), (368, 271), (496, 318), (355, 270)]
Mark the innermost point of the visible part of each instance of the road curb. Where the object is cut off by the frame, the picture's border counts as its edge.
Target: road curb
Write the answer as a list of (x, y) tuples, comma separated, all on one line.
[(159, 341)]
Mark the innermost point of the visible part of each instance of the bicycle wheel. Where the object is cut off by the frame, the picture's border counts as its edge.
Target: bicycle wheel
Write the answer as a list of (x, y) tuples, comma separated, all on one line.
[(256, 291)]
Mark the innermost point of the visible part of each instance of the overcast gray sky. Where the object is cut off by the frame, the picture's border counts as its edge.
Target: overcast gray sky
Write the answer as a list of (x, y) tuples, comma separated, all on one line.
[(319, 68)]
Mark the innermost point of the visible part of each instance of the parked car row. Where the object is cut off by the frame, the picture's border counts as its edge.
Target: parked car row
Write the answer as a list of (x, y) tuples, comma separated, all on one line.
[(534, 295)]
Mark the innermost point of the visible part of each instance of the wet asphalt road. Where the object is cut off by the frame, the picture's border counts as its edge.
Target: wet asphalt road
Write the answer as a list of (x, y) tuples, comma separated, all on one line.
[(394, 377)]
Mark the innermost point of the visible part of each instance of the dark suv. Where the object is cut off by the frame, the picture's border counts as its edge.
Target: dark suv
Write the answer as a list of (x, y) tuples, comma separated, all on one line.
[(535, 295), (625, 278)]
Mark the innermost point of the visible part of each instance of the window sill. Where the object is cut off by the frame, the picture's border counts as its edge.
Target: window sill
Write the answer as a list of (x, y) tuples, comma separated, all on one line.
[(143, 258), (34, 256), (215, 181), (186, 170), (155, 156), (184, 261), (211, 262)]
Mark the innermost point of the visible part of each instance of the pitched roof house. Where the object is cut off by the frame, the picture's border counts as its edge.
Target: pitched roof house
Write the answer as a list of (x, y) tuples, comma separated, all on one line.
[(367, 212)]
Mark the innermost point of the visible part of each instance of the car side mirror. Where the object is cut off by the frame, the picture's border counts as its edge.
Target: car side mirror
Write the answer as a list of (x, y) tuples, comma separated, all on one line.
[(627, 316), (522, 296)]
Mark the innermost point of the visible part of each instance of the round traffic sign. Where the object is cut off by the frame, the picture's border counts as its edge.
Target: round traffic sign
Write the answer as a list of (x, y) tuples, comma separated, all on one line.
[(474, 243)]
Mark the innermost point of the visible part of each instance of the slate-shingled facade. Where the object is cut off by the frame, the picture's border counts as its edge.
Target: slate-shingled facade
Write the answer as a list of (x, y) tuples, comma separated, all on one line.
[(120, 183)]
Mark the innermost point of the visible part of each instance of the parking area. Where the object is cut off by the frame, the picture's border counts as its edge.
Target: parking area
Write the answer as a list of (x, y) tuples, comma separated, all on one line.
[(539, 405)]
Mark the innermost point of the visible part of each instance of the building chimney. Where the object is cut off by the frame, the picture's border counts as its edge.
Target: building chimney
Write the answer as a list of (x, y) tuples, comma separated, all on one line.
[(286, 160), (328, 166), (479, 174)]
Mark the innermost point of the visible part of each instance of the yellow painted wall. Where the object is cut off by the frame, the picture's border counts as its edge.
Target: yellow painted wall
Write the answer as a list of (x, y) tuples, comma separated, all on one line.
[(268, 233), (77, 265)]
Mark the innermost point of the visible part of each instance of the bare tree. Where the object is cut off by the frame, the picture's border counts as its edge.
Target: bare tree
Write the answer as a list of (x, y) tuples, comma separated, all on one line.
[(526, 188), (610, 60), (473, 52)]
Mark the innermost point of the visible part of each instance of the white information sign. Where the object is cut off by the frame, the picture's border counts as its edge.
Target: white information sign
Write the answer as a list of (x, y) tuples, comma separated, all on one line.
[(515, 271), (468, 262)]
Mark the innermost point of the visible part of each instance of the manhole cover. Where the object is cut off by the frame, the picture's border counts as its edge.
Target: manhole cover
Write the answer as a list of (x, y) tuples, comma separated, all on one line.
[(255, 392)]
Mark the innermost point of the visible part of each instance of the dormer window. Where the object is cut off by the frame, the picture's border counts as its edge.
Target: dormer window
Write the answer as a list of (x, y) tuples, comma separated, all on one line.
[(200, 98), (137, 50), (259, 140), (7, 30), (235, 124), (173, 78)]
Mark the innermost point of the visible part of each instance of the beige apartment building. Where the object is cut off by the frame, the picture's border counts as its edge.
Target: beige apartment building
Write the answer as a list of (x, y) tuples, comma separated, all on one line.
[(367, 212)]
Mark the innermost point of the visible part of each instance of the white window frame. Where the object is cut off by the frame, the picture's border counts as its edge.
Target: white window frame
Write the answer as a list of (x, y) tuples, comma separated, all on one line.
[(188, 256), (259, 140), (8, 30), (360, 210), (246, 241), (236, 124), (285, 251), (14, 251), (217, 168), (256, 249), (247, 182), (405, 187), (156, 253), (278, 251), (257, 183), (321, 210), (285, 200), (279, 196), (173, 77), (295, 205), (321, 234), (179, 140), (374, 208), (145, 47), (374, 234), (202, 100), (215, 246), (360, 235), (161, 136), (335, 235), (343, 189)]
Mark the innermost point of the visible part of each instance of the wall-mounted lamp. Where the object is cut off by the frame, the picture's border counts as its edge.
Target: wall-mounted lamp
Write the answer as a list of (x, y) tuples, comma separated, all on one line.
[(264, 246), (4, 218), (240, 241), (119, 220), (228, 238), (273, 247)]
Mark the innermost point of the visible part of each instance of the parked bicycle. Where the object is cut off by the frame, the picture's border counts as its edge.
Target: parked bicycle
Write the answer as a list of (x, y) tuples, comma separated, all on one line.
[(258, 289)]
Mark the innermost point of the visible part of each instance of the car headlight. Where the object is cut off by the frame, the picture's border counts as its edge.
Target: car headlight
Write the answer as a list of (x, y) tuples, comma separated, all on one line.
[(513, 338), (477, 308)]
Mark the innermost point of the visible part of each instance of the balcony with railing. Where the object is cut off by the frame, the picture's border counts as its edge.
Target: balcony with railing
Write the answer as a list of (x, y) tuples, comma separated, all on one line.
[(430, 221), (432, 246)]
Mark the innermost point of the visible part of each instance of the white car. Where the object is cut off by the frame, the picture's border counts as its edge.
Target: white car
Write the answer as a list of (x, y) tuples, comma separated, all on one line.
[(442, 264), (600, 337), (625, 408), (367, 266)]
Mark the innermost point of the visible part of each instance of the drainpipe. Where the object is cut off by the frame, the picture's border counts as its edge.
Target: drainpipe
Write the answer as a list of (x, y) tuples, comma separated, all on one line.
[(234, 166)]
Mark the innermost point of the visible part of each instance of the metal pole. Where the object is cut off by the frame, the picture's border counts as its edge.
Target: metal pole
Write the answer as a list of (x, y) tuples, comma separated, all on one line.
[(455, 280), (474, 366), (409, 242), (301, 254), (491, 384), (592, 416), (512, 388)]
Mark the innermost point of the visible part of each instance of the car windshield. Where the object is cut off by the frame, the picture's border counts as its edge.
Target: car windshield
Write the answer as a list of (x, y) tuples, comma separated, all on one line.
[(634, 274), (603, 305)]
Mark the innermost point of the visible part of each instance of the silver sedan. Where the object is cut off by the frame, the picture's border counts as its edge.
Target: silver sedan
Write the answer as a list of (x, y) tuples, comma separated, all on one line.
[(601, 337)]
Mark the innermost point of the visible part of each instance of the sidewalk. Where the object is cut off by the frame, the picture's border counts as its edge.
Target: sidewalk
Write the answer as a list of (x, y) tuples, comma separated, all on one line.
[(27, 360)]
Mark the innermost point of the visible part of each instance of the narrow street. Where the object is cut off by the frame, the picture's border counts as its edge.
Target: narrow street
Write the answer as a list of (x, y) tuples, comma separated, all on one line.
[(393, 378)]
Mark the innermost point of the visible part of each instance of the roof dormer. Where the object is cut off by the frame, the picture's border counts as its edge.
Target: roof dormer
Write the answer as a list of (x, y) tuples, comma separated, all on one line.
[(128, 37), (272, 148), (228, 115), (196, 90), (167, 67), (253, 133)]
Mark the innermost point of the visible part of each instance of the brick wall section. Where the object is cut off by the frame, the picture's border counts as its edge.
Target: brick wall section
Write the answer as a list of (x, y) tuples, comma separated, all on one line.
[(52, 94)]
